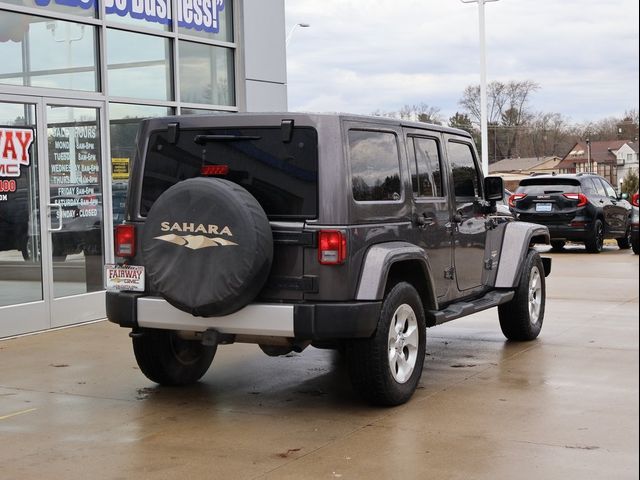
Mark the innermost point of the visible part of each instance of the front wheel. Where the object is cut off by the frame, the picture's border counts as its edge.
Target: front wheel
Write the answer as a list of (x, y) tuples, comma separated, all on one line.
[(624, 243), (166, 358), (521, 318), (385, 369)]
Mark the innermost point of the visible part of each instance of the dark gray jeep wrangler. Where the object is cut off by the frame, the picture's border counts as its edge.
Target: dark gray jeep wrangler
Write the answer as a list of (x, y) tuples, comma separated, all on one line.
[(288, 230)]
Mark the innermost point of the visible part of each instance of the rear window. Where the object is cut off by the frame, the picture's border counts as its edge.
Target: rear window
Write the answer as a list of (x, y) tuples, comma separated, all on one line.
[(546, 186), (282, 174)]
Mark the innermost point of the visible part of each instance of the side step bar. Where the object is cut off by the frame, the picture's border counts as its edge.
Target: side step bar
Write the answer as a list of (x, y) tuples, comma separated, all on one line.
[(462, 309)]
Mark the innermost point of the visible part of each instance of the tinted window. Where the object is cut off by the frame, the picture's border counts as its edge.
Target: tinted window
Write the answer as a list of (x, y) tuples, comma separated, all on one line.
[(375, 166), (608, 188), (589, 187), (464, 170), (281, 175), (547, 186), (426, 177)]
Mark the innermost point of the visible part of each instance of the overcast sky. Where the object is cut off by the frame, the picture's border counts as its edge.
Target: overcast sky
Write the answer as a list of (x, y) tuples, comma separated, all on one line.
[(360, 56)]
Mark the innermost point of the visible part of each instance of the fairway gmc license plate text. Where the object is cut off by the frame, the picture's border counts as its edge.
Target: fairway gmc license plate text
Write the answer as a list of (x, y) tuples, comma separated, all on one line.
[(124, 277)]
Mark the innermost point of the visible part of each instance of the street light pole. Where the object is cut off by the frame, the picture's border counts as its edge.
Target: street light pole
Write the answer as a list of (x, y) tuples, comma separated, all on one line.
[(301, 25), (484, 133)]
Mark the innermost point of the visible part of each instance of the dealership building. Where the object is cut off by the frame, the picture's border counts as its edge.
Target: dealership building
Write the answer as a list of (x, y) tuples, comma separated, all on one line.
[(76, 77)]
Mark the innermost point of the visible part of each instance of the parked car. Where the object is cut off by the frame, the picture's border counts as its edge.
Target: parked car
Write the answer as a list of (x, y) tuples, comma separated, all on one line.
[(578, 208), (288, 230), (635, 221)]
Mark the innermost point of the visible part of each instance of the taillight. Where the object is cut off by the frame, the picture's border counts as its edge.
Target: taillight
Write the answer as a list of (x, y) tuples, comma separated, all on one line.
[(516, 197), (214, 170), (581, 198), (332, 247), (125, 239), (635, 200)]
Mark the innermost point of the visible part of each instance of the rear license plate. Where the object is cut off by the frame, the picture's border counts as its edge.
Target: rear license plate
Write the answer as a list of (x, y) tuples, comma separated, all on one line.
[(124, 277), (543, 207)]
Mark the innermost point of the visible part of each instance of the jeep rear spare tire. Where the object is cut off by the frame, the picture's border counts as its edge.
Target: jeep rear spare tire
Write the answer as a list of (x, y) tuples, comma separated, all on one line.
[(207, 246)]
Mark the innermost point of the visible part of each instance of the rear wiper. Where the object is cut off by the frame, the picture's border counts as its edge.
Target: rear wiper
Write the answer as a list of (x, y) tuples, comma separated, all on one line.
[(203, 139)]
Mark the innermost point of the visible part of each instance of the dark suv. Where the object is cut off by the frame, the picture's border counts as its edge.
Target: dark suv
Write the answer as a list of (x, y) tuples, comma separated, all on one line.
[(288, 230), (579, 208)]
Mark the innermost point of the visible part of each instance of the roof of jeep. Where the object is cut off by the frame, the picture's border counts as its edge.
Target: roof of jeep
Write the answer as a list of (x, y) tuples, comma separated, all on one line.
[(274, 118)]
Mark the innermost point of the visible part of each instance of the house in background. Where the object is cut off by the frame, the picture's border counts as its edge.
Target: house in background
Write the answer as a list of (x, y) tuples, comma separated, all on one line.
[(599, 157), (512, 170), (627, 160)]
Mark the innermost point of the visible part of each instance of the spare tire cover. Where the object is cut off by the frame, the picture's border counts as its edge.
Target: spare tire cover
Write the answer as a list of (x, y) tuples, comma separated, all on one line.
[(207, 246)]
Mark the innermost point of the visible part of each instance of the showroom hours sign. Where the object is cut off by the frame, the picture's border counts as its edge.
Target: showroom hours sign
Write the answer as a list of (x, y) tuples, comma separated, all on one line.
[(74, 169)]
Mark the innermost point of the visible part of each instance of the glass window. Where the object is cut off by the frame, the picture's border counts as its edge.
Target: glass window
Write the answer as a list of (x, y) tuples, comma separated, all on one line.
[(83, 8), (610, 192), (124, 120), (588, 186), (20, 260), (215, 22), (375, 166), (138, 65), (206, 74), (427, 177), (40, 52), (600, 188), (281, 175), (198, 111), (465, 172)]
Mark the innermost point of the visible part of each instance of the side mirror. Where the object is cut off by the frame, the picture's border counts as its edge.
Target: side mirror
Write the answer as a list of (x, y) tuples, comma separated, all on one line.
[(624, 196), (493, 189)]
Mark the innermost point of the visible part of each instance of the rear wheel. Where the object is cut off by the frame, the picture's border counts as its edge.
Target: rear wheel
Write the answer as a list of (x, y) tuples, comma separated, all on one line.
[(167, 359), (596, 240), (385, 369), (521, 318), (624, 243)]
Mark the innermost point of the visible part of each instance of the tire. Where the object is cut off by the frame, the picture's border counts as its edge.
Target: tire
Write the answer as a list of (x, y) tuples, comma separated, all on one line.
[(636, 246), (275, 350), (207, 247), (596, 240), (521, 318), (557, 244), (378, 377), (166, 359), (624, 243)]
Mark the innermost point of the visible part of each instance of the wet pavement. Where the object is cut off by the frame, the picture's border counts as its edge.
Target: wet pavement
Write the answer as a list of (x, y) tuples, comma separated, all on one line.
[(73, 404)]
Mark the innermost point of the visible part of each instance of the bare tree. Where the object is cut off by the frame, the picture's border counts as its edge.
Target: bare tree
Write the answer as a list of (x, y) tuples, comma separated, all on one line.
[(507, 110)]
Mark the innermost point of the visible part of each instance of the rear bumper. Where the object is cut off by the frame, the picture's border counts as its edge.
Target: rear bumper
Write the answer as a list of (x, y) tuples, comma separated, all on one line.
[(319, 321)]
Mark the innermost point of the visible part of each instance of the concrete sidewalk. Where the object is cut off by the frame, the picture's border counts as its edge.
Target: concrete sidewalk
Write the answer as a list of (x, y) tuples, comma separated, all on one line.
[(73, 404)]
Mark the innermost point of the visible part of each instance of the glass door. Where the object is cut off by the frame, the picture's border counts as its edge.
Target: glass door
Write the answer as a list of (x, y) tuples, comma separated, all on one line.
[(75, 213), (52, 233), (23, 293)]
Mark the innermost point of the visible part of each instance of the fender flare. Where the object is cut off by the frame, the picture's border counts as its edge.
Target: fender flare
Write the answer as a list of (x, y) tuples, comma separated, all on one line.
[(378, 262), (518, 237)]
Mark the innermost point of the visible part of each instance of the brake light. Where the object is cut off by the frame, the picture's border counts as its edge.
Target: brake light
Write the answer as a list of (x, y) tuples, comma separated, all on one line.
[(214, 170), (332, 247), (515, 198), (581, 198), (125, 238), (635, 200)]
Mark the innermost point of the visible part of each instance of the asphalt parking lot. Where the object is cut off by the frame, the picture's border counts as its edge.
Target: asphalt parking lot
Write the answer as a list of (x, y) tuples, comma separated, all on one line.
[(73, 404)]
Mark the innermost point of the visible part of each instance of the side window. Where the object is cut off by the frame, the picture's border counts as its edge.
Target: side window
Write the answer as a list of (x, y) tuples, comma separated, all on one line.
[(609, 189), (375, 166), (426, 175), (599, 187), (588, 186), (466, 176)]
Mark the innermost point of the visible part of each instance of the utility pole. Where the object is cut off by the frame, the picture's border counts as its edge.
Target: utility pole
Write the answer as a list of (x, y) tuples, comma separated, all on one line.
[(484, 133)]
